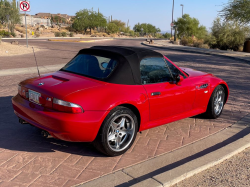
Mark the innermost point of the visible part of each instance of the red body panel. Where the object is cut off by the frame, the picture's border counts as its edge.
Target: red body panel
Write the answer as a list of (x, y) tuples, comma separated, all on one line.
[(97, 98)]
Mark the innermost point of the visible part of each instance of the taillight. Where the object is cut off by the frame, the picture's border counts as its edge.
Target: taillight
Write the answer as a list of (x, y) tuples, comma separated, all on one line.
[(64, 106), (23, 92), (20, 89)]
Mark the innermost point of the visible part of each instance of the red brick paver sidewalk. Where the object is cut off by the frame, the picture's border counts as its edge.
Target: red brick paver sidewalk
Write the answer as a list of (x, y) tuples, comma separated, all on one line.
[(26, 159)]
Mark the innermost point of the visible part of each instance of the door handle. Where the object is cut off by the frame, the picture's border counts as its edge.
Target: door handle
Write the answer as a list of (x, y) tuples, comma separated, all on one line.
[(156, 93)]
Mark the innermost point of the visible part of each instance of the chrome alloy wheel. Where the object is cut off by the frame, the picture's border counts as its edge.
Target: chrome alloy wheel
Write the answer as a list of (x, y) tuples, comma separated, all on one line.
[(219, 102), (120, 132)]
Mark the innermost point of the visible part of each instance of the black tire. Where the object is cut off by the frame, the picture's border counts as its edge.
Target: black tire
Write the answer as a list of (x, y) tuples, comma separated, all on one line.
[(107, 130), (211, 112)]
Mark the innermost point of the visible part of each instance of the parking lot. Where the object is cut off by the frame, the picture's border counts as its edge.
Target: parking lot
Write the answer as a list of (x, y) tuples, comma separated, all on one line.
[(27, 159)]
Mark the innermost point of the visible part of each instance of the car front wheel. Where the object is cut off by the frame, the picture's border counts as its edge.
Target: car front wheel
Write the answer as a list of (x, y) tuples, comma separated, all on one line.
[(216, 102), (118, 132)]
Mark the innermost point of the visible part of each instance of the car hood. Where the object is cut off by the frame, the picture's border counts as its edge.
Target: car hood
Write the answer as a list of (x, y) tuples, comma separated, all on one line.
[(60, 84), (194, 73)]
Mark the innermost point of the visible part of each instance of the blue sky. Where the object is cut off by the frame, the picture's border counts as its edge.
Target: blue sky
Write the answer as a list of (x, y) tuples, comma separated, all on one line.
[(157, 12)]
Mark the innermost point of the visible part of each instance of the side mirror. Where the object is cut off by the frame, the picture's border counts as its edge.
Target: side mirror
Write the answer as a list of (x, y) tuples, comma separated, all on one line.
[(179, 79)]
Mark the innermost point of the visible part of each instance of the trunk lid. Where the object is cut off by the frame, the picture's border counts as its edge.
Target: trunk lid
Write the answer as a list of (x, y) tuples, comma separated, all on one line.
[(60, 84)]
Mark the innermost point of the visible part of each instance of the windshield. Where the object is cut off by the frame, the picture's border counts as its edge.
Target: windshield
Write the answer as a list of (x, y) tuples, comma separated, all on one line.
[(91, 65)]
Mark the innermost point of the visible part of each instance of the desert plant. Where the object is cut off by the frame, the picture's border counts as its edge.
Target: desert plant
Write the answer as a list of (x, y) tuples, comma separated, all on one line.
[(58, 34), (205, 46), (64, 34), (112, 28), (228, 35), (37, 34), (71, 34), (4, 33), (105, 35), (13, 34), (166, 35), (187, 26), (198, 43)]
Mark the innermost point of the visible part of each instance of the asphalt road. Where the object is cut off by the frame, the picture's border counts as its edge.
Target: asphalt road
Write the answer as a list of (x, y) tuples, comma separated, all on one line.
[(21, 143)]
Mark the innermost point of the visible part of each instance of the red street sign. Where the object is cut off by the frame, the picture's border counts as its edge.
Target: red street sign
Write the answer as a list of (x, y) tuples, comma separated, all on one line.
[(24, 6), (172, 24)]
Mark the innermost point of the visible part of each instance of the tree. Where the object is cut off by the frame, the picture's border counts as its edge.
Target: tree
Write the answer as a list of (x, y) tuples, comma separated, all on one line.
[(146, 28), (112, 28), (187, 26), (88, 19), (228, 35), (121, 25), (9, 8), (237, 10), (81, 22)]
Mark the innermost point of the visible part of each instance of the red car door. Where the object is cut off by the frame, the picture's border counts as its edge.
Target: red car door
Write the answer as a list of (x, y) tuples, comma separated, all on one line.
[(165, 97)]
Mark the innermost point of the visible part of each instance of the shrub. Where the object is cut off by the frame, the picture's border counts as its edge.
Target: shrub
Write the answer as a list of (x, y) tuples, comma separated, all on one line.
[(71, 34), (105, 35), (22, 36), (99, 34), (4, 33), (240, 49), (228, 35), (37, 34), (166, 35), (204, 46), (64, 34), (187, 41), (198, 43), (13, 34), (58, 34), (21, 29), (112, 28)]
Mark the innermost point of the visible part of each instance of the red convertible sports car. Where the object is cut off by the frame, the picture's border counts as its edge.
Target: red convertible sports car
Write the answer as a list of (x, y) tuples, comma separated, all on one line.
[(106, 94)]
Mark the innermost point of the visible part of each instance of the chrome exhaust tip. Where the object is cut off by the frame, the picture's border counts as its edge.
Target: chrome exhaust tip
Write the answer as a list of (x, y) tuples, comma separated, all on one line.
[(22, 121), (45, 134)]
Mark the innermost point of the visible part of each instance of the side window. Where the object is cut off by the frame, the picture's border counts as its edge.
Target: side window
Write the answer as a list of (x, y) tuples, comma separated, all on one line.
[(154, 70), (175, 72)]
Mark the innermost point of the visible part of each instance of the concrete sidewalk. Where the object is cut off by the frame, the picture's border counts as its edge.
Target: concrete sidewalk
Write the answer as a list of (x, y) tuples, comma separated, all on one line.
[(164, 44)]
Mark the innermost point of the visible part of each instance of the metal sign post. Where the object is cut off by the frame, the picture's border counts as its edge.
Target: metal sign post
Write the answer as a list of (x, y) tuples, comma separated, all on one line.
[(25, 6)]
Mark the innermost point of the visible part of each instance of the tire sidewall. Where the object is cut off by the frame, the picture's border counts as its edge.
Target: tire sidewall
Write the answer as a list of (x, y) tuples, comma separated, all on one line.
[(106, 124), (211, 103)]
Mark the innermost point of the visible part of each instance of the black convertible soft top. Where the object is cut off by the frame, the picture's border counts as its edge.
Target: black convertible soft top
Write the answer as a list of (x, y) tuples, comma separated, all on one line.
[(127, 70)]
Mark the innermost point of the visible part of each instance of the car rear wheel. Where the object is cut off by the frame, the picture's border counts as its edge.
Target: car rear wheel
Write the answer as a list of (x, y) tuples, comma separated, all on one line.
[(118, 132), (216, 103)]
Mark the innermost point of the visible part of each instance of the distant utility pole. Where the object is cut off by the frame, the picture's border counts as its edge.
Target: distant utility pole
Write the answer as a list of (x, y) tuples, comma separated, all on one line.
[(127, 23), (182, 9), (172, 19)]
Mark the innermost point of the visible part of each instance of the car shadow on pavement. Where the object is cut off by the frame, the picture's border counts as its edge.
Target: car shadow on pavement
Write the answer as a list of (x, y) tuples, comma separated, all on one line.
[(26, 138)]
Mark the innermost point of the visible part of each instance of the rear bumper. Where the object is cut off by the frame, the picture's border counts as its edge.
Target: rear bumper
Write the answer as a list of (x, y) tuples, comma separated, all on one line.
[(81, 127)]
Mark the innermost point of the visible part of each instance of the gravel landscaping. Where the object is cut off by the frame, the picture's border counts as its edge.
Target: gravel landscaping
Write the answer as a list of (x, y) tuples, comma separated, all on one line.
[(232, 172), (8, 49)]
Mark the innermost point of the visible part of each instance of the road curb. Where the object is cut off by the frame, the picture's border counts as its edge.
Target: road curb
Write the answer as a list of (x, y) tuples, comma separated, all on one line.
[(78, 41), (196, 51), (172, 167)]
